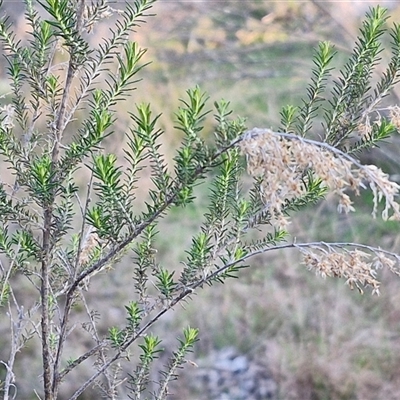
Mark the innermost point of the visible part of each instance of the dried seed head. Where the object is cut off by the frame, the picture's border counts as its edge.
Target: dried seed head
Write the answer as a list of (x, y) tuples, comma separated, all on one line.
[(283, 161), (90, 242), (351, 265), (394, 115)]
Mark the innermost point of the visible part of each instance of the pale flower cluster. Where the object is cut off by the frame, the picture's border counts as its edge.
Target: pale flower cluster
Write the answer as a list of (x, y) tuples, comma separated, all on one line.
[(90, 18), (283, 161), (7, 121), (359, 268), (351, 265), (365, 128), (89, 244), (395, 116)]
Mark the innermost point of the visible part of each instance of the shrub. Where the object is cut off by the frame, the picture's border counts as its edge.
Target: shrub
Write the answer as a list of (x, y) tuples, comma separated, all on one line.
[(57, 236)]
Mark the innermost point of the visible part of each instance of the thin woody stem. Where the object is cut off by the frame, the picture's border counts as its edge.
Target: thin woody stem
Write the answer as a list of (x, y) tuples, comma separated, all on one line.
[(51, 382)]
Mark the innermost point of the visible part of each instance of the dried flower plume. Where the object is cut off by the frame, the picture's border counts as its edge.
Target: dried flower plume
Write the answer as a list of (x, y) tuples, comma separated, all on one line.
[(358, 266), (283, 160)]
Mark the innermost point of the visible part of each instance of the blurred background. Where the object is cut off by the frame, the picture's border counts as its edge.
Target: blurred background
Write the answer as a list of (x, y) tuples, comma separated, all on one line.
[(278, 332)]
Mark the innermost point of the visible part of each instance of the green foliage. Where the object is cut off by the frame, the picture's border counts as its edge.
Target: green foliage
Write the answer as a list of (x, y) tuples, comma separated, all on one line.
[(322, 60), (60, 236), (177, 360), (134, 316), (350, 109), (140, 379), (349, 93), (378, 133)]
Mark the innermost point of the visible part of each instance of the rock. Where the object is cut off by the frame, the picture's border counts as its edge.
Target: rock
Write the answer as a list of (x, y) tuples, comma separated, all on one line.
[(228, 375)]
